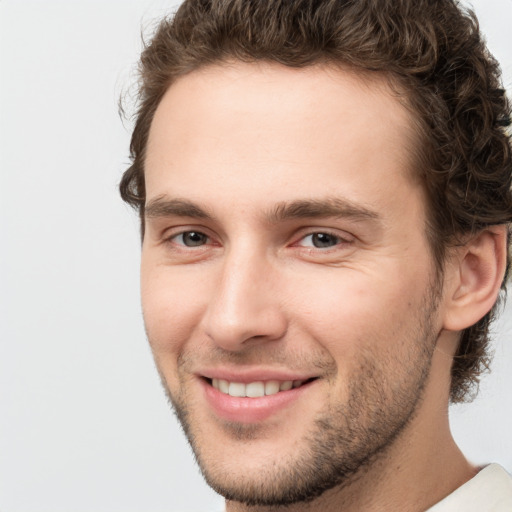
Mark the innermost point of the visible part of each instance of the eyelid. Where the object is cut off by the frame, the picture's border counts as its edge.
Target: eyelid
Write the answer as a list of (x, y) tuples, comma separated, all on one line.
[(178, 253), (336, 240), (342, 236), (183, 233), (168, 235)]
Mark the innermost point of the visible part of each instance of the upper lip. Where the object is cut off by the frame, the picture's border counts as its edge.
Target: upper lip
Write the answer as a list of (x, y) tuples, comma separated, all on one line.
[(253, 374)]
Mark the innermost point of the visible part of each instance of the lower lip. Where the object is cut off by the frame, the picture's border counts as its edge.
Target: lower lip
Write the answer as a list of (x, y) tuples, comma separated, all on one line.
[(250, 410)]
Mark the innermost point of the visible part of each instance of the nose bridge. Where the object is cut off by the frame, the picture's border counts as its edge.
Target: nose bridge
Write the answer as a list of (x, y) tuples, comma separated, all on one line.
[(244, 305)]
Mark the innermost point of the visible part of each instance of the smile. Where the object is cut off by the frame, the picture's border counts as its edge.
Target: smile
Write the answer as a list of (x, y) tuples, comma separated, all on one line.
[(255, 399), (254, 389)]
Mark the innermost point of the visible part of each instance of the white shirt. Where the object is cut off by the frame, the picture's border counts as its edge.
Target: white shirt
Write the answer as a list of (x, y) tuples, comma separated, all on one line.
[(489, 491)]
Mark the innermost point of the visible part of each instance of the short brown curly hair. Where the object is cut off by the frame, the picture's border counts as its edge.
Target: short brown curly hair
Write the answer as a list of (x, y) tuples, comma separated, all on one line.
[(433, 53)]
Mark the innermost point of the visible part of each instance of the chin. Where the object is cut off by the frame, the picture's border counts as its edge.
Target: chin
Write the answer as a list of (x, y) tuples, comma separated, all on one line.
[(264, 465)]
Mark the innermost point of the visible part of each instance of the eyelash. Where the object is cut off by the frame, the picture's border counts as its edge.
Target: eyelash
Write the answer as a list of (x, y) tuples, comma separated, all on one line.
[(190, 232), (333, 237), (338, 240)]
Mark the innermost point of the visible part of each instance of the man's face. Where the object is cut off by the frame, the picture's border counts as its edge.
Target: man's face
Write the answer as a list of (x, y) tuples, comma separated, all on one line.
[(285, 248)]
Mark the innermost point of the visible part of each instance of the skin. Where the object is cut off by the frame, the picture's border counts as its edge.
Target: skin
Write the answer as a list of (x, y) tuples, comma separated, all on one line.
[(230, 148)]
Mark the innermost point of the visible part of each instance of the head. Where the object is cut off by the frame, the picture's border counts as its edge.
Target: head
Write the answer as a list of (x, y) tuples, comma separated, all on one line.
[(282, 65), (433, 56)]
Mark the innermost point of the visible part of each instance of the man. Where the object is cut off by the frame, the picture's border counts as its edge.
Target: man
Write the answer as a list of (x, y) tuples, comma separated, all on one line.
[(324, 190)]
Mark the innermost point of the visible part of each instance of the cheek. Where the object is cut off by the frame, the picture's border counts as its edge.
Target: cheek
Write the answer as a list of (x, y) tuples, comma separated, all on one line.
[(171, 305), (361, 311)]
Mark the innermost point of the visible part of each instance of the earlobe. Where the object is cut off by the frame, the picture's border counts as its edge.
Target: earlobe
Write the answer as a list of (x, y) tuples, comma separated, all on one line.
[(477, 272)]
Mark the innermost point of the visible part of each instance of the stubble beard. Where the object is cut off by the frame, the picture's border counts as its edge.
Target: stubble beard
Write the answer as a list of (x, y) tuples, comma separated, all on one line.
[(344, 441)]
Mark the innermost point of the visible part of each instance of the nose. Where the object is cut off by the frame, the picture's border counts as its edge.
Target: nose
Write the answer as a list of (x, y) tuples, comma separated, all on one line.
[(245, 308)]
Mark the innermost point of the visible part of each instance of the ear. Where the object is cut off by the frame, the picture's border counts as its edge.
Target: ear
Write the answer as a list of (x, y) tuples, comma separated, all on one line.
[(476, 274)]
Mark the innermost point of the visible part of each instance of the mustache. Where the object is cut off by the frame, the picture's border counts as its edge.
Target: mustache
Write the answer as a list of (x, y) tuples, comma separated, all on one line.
[(266, 354)]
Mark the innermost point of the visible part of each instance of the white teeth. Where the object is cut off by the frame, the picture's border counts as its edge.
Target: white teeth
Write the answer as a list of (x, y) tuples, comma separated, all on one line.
[(271, 387), (286, 385), (254, 389), (237, 389), (223, 386)]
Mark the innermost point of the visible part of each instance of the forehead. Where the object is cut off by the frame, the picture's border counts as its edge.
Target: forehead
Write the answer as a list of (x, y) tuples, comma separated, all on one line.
[(270, 131)]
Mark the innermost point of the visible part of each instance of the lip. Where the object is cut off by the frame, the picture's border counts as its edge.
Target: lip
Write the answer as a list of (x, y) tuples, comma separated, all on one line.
[(252, 375), (250, 410)]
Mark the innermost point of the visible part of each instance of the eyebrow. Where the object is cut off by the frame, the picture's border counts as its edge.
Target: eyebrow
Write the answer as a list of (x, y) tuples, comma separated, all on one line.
[(322, 208), (162, 206)]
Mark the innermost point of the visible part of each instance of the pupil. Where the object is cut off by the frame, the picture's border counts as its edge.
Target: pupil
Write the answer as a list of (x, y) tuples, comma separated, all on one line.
[(192, 239), (323, 240)]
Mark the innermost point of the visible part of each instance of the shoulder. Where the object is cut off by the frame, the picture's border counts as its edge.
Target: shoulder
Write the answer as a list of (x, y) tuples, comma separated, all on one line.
[(489, 491)]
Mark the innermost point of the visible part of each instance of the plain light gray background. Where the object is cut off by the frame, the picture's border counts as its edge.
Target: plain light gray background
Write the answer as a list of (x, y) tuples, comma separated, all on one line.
[(84, 425)]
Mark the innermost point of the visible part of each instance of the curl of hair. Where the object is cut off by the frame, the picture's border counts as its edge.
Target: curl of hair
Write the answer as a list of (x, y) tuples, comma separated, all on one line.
[(435, 58)]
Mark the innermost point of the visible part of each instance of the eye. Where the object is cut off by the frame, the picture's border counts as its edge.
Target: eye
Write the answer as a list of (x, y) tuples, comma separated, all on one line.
[(190, 239), (320, 240)]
